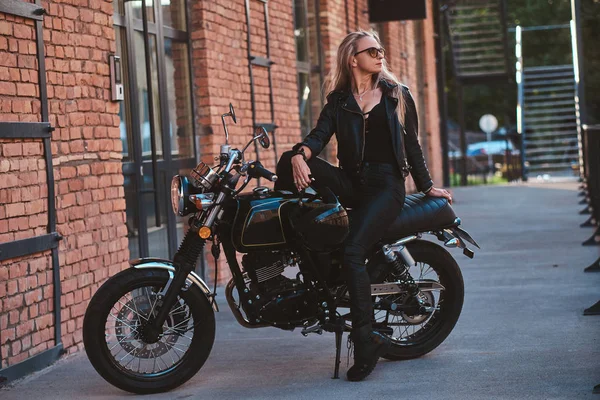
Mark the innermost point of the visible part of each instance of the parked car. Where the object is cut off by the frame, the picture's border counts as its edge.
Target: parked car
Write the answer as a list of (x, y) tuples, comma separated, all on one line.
[(477, 156), (494, 147)]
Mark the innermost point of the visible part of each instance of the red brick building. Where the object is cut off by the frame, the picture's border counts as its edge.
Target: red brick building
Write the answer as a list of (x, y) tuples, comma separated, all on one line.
[(76, 163)]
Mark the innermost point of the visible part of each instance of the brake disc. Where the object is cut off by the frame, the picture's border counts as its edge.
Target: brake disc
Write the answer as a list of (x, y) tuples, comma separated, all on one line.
[(426, 299), (131, 320)]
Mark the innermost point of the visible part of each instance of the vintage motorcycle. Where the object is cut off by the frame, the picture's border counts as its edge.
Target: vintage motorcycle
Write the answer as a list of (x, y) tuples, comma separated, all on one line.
[(150, 328)]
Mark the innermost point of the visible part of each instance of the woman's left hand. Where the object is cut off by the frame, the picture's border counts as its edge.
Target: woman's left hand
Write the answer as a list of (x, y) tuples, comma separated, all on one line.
[(435, 192)]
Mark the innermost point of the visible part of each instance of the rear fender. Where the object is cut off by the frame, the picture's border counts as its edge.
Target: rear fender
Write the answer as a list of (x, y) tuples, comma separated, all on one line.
[(462, 234), (457, 237), (454, 236), (167, 265)]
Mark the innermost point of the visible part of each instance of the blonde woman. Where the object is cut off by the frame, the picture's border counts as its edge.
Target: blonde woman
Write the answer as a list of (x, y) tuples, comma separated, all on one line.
[(375, 122)]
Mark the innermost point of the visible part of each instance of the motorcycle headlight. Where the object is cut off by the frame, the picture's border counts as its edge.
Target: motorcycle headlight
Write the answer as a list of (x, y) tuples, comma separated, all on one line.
[(176, 194), (186, 199), (180, 193)]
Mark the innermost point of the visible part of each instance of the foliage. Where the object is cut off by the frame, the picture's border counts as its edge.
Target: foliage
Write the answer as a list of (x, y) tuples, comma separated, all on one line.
[(546, 47), (478, 180)]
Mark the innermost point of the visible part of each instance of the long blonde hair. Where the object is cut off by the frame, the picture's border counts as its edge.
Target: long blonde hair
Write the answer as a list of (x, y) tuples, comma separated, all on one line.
[(340, 76)]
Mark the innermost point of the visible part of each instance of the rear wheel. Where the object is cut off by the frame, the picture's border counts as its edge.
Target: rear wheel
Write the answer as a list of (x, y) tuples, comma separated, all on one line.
[(115, 340), (413, 333)]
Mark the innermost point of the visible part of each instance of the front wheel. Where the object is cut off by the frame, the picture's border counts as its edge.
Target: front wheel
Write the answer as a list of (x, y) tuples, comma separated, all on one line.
[(113, 333), (414, 334)]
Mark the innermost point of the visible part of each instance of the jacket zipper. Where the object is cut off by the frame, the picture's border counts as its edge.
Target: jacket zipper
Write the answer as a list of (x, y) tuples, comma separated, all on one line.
[(362, 155), (406, 165)]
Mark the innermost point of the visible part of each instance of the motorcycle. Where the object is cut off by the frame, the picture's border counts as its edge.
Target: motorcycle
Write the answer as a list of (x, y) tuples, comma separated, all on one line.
[(150, 328)]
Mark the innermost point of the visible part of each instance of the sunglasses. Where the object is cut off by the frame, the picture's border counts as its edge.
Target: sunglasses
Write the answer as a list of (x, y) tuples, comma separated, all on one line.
[(373, 52)]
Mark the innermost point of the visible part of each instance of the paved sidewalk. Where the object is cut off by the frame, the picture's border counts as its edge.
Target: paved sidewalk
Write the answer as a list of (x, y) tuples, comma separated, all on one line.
[(521, 334)]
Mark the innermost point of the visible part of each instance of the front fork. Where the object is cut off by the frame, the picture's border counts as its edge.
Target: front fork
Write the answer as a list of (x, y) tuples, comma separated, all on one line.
[(184, 263)]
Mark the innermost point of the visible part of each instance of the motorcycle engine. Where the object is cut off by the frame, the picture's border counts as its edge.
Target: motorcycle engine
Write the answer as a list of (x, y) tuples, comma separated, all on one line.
[(281, 301)]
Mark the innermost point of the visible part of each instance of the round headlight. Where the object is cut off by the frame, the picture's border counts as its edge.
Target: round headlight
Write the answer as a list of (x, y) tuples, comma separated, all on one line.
[(177, 194)]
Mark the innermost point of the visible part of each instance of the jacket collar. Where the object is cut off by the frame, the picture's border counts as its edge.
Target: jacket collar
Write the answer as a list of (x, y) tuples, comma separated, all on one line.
[(385, 85)]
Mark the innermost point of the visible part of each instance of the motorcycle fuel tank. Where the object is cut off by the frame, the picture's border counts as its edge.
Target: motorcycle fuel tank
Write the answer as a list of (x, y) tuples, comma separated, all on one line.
[(261, 220)]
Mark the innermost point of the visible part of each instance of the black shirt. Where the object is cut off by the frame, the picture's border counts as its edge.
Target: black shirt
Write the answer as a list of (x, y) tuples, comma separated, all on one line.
[(378, 138)]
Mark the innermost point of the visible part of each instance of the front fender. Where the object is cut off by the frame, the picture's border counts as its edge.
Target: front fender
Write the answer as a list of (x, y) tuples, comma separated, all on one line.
[(167, 265)]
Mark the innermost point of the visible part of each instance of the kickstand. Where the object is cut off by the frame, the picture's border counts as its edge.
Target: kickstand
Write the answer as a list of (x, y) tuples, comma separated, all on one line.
[(339, 332)]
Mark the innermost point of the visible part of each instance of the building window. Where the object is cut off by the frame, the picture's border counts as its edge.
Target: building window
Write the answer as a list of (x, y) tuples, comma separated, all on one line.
[(379, 29), (157, 124), (309, 62)]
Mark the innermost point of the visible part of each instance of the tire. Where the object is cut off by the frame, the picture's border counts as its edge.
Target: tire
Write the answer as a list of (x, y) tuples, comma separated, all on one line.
[(440, 323), (196, 308)]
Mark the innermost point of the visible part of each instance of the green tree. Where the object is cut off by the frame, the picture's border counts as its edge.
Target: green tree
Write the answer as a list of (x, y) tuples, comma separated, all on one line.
[(545, 47)]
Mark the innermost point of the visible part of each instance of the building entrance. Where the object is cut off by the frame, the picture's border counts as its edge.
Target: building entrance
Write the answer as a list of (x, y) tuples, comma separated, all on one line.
[(157, 130)]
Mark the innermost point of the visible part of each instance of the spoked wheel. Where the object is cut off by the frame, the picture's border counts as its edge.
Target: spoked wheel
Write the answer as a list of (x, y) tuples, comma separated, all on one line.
[(413, 331), (122, 347)]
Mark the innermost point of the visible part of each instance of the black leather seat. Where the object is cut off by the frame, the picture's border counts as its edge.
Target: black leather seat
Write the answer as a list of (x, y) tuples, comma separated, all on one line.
[(421, 213)]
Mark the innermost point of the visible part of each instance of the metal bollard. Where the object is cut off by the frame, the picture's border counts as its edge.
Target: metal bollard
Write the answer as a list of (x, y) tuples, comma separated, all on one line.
[(592, 170)]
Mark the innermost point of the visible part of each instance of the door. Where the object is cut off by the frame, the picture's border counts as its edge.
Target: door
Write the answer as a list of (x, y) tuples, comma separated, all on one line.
[(157, 130)]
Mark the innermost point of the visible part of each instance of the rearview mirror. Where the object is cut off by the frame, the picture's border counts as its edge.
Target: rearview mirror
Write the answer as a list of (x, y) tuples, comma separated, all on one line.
[(232, 112), (263, 137), (260, 134)]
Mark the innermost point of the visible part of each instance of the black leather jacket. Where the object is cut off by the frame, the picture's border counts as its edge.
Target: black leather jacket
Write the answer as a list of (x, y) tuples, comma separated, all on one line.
[(342, 116)]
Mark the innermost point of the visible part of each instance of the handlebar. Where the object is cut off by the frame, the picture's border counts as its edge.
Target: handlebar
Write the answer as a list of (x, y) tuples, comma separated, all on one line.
[(256, 170)]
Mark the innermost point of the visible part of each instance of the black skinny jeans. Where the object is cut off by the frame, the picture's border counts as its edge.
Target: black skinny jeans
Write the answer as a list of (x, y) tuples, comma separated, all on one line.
[(376, 197)]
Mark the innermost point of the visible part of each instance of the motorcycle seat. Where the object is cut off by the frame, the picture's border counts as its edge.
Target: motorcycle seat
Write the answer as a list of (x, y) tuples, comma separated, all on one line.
[(421, 213)]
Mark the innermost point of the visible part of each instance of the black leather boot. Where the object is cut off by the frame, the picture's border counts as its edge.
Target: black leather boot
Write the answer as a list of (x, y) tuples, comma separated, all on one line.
[(368, 347)]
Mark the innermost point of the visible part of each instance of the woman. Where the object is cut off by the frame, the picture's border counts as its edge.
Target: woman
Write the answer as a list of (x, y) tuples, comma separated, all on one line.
[(375, 122)]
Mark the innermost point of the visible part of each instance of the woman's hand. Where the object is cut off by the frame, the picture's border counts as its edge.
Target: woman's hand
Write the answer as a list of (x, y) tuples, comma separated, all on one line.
[(435, 192), (301, 172)]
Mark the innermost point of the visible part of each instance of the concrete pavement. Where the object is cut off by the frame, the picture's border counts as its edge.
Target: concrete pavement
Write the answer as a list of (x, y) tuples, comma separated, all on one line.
[(521, 334)]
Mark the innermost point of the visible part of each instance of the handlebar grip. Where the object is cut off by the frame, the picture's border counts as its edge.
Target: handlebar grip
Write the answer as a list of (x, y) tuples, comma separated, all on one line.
[(256, 170)]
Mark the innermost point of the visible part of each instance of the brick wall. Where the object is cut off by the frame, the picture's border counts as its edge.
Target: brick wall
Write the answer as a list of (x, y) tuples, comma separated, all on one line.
[(411, 57), (334, 27), (431, 112), (86, 152), (86, 147), (221, 75)]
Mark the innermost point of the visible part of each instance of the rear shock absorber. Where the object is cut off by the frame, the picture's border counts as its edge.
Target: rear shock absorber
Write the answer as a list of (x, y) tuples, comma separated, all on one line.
[(401, 269)]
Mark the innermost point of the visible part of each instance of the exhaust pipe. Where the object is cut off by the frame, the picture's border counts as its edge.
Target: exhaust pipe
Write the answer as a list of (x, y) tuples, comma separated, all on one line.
[(235, 309)]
